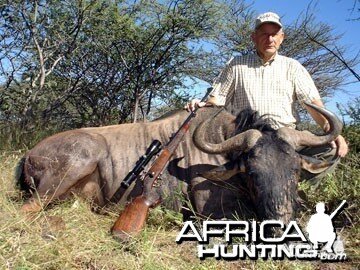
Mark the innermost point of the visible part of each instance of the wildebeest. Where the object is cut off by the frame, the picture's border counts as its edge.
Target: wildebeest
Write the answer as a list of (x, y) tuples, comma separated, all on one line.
[(251, 159)]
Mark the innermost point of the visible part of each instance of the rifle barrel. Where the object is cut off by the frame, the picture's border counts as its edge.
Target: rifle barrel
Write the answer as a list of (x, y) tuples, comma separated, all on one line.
[(337, 209), (133, 217)]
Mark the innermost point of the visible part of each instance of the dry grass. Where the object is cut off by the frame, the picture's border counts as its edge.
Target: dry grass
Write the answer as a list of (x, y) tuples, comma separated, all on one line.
[(70, 236)]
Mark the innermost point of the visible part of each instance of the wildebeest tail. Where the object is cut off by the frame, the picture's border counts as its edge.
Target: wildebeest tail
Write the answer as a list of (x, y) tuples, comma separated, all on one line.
[(20, 180)]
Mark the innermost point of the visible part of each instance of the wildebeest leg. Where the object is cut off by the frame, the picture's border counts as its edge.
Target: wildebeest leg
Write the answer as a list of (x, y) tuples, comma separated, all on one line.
[(199, 194), (89, 189), (32, 205), (52, 187)]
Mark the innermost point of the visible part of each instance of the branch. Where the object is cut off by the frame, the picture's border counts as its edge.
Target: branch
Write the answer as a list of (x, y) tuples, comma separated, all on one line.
[(53, 66), (340, 58)]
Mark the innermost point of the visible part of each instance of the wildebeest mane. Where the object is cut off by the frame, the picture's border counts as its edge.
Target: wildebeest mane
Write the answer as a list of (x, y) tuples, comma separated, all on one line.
[(250, 119)]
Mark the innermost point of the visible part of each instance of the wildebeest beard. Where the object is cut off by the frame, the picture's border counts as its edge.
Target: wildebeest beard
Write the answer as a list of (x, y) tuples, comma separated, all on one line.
[(272, 169)]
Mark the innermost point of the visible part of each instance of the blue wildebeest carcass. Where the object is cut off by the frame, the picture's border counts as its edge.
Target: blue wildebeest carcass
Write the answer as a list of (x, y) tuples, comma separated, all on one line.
[(223, 162)]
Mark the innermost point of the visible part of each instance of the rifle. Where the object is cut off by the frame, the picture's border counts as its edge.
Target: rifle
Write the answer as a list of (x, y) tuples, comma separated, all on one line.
[(140, 165), (336, 211), (133, 217)]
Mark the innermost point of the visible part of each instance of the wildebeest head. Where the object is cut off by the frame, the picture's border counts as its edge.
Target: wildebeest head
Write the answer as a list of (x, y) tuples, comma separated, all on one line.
[(267, 160)]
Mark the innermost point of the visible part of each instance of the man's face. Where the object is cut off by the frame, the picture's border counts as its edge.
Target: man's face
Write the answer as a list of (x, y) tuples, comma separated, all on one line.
[(268, 38)]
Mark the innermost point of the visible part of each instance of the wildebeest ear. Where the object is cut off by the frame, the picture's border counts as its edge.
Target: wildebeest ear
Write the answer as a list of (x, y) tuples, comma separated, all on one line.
[(313, 165), (224, 172)]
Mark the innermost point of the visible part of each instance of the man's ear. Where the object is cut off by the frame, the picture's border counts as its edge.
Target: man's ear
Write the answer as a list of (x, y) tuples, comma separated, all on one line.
[(283, 36)]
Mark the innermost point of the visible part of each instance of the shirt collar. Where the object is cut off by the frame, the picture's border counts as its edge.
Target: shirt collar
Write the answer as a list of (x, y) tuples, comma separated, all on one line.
[(261, 61)]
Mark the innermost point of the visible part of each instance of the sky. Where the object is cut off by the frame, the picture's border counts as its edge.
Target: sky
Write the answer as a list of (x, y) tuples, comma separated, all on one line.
[(333, 12)]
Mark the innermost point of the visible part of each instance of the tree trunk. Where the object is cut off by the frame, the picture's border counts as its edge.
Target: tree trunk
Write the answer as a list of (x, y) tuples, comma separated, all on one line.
[(136, 108)]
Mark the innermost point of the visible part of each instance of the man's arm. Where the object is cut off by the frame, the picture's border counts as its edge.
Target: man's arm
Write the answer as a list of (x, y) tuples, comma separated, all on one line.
[(339, 142), (211, 101), (222, 87)]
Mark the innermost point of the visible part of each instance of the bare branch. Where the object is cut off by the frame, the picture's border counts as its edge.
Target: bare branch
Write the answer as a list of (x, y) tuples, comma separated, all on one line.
[(336, 55)]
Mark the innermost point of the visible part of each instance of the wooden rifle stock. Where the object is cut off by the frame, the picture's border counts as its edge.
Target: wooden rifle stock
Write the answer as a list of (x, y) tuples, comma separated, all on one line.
[(133, 218)]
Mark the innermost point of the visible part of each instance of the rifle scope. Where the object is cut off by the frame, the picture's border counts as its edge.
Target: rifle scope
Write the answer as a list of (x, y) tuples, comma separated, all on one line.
[(152, 150)]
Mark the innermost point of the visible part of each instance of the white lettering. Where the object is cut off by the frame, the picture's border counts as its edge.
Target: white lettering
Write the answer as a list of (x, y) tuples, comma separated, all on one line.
[(285, 250), (207, 228), (264, 250), (262, 230), (299, 234), (249, 250), (224, 251), (269, 247), (303, 251), (203, 251), (184, 233), (229, 232)]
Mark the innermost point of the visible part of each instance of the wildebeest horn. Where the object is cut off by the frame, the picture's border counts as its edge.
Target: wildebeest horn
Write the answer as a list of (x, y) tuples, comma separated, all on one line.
[(305, 138), (243, 141)]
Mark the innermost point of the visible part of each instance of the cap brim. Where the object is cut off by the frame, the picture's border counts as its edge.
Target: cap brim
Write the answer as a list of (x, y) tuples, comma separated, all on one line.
[(277, 23)]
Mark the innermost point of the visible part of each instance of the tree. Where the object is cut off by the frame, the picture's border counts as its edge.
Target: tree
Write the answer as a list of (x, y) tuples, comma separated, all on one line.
[(352, 111), (68, 64), (35, 37), (97, 62)]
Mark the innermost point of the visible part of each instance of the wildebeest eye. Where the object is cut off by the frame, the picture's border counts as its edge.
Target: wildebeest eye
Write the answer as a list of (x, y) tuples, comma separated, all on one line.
[(256, 152), (286, 150)]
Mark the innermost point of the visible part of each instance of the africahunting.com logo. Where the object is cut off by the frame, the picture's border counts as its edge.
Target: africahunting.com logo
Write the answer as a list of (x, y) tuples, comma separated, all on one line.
[(232, 240)]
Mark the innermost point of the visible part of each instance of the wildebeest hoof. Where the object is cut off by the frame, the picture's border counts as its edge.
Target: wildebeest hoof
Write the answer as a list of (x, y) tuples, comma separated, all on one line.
[(31, 207)]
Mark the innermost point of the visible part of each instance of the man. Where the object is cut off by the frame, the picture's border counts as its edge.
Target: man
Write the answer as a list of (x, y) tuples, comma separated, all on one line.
[(268, 82), (321, 229)]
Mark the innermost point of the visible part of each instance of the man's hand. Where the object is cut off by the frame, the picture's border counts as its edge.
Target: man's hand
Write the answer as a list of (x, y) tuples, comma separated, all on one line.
[(341, 145), (211, 101), (193, 104), (339, 142)]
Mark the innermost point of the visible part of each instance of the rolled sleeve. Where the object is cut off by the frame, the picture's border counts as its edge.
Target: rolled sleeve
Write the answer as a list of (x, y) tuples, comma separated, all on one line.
[(305, 88), (223, 84)]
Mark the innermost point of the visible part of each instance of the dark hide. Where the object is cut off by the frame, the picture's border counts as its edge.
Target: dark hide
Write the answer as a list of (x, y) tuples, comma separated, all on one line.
[(272, 169)]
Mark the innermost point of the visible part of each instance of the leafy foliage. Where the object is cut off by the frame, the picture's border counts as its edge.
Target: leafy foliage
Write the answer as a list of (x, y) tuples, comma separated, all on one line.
[(70, 64), (352, 111), (96, 62)]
